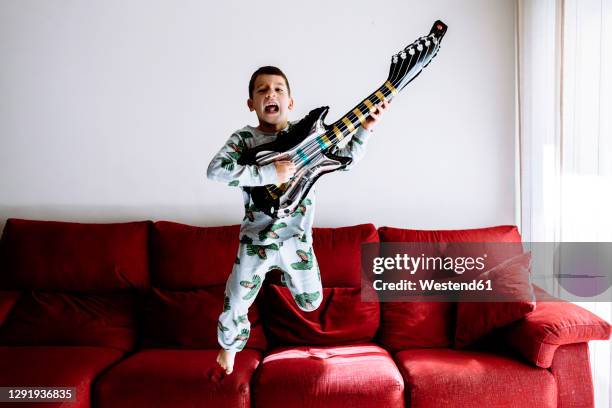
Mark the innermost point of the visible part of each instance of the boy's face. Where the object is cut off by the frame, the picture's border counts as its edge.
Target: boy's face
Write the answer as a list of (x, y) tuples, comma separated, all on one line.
[(271, 100)]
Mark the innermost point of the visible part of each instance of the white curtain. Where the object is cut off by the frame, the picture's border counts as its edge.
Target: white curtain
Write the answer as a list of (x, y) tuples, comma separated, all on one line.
[(564, 54)]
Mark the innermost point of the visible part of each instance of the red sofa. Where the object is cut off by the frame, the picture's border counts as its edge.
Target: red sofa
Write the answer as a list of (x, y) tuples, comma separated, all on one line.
[(126, 313)]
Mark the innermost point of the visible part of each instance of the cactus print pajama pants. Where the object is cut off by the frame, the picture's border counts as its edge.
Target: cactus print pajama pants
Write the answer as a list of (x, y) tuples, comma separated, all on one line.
[(300, 273)]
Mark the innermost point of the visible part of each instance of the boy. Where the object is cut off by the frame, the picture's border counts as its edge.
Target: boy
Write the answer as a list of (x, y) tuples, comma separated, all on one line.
[(266, 243)]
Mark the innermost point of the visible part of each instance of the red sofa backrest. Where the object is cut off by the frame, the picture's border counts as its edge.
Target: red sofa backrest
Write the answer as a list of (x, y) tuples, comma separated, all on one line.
[(78, 282), (432, 324), (75, 275), (74, 257), (341, 318), (189, 268), (189, 257)]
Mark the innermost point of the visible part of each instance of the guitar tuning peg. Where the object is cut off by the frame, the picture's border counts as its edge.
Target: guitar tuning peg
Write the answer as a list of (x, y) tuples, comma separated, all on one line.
[(420, 47), (427, 42), (411, 51), (394, 59), (403, 55), (435, 40)]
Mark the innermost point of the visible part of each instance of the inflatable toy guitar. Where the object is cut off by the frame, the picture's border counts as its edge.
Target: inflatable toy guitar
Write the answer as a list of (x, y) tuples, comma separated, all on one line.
[(308, 143)]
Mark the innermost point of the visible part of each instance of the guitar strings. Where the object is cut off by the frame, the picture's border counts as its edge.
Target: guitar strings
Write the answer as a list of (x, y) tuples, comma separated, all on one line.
[(420, 56), (314, 148)]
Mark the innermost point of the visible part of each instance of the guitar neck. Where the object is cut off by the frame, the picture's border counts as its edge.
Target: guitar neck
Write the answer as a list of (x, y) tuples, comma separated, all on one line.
[(348, 123)]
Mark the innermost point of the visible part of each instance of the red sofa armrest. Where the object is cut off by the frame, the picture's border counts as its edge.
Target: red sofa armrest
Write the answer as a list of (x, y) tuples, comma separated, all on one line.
[(571, 368), (7, 301), (552, 324)]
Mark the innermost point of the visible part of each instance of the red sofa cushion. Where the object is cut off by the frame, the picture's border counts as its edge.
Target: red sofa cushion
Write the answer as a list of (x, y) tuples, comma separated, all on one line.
[(177, 378), (190, 266), (338, 253), (360, 375), (189, 257), (440, 378), (7, 302), (510, 279), (189, 319), (454, 240), (406, 325), (61, 319), (501, 233), (431, 324), (55, 367), (67, 256), (341, 318)]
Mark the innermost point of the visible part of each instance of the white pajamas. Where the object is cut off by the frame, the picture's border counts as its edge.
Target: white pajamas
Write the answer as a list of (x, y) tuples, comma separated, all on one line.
[(267, 243)]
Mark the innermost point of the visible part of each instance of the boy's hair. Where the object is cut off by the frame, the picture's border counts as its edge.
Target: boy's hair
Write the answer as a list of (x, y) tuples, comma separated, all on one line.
[(267, 70)]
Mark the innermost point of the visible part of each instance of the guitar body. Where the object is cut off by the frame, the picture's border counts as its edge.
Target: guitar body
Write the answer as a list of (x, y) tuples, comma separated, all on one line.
[(289, 145), (309, 143)]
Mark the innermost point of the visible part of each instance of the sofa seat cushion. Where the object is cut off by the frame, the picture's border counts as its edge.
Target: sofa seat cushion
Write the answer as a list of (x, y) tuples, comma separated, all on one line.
[(55, 367), (457, 378), (177, 378), (360, 375)]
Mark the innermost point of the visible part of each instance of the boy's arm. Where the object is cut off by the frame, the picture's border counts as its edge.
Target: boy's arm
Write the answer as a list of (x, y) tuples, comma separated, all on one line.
[(224, 166), (356, 147)]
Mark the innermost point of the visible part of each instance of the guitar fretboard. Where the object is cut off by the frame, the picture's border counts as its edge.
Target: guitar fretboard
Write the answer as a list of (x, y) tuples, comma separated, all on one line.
[(356, 116)]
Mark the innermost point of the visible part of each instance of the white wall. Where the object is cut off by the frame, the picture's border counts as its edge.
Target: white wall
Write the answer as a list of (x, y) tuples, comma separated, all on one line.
[(111, 110)]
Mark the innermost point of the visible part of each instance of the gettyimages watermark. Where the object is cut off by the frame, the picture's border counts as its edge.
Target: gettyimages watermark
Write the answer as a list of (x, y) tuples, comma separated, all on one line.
[(486, 272)]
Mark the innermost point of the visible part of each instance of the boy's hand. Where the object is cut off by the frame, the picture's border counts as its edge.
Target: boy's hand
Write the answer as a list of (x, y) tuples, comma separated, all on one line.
[(285, 169), (376, 114)]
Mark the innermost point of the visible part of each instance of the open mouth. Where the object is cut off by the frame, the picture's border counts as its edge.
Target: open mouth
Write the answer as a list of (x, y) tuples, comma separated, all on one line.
[(271, 108)]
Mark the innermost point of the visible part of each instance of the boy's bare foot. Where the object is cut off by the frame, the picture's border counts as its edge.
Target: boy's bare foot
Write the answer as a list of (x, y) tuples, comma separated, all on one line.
[(226, 360)]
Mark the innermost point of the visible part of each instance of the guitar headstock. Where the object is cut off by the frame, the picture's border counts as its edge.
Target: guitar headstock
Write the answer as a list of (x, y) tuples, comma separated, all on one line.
[(410, 61)]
